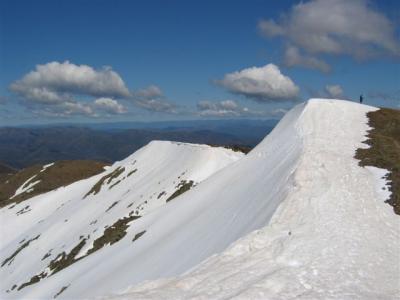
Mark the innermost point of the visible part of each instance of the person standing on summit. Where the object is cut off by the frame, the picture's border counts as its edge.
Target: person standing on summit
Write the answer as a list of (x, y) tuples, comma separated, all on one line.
[(361, 98)]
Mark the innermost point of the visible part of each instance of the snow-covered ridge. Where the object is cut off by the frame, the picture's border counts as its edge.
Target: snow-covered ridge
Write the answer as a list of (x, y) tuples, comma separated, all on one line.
[(41, 236), (201, 222), (332, 237)]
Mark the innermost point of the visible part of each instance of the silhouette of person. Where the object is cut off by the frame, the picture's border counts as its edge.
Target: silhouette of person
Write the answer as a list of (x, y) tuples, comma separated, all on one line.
[(361, 98)]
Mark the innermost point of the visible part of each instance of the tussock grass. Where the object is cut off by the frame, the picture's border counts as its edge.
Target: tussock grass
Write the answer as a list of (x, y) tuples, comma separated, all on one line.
[(384, 150), (112, 205), (60, 174), (131, 172), (109, 177), (20, 248), (61, 291), (64, 260), (138, 235), (183, 187), (112, 234), (6, 172), (236, 148), (33, 280)]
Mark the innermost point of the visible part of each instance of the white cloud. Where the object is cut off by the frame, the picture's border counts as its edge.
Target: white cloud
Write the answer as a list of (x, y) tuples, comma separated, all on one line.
[(65, 85), (152, 99), (110, 105), (220, 109), (56, 82), (156, 105), (270, 28), (230, 108), (76, 108), (334, 91), (334, 27), (151, 91), (294, 58), (65, 109), (262, 84)]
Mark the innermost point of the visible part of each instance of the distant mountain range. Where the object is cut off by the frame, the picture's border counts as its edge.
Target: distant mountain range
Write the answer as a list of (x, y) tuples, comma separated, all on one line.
[(25, 146)]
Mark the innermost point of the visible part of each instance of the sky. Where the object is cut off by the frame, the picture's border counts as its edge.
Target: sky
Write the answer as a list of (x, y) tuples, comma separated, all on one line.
[(105, 61)]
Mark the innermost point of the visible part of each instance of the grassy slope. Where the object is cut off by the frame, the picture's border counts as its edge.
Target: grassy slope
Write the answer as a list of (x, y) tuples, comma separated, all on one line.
[(384, 151), (6, 172), (60, 174)]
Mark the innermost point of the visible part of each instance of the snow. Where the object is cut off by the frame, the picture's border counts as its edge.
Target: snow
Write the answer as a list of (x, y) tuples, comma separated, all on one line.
[(46, 167), (63, 216), (295, 218), (332, 237), (26, 187), (381, 182)]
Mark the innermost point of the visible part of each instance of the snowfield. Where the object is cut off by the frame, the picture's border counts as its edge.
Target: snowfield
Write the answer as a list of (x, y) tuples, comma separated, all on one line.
[(296, 218), (35, 233), (332, 237)]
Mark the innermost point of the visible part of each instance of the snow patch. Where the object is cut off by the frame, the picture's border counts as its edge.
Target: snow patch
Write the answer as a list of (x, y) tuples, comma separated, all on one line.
[(46, 167), (26, 187), (382, 184)]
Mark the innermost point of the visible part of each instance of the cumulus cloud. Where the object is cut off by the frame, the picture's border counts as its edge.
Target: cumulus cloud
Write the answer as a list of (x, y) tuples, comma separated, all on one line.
[(61, 84), (149, 92), (262, 84), (56, 82), (333, 27), (152, 99), (270, 28), (221, 108), (334, 91), (330, 91), (157, 105), (110, 105), (76, 108), (65, 109), (230, 108), (293, 57), (68, 87)]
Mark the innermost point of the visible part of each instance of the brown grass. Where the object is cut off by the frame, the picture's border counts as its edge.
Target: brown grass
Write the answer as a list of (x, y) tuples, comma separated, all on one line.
[(20, 248), (109, 177), (112, 234), (61, 291), (384, 150), (236, 148), (183, 187), (60, 174)]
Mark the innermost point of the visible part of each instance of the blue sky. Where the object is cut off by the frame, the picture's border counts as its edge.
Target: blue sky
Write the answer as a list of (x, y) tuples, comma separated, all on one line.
[(192, 59)]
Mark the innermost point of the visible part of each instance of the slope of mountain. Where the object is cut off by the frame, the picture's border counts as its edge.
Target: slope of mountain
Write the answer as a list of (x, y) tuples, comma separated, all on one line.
[(40, 179), (305, 219), (332, 237), (6, 169), (46, 235), (5, 172)]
